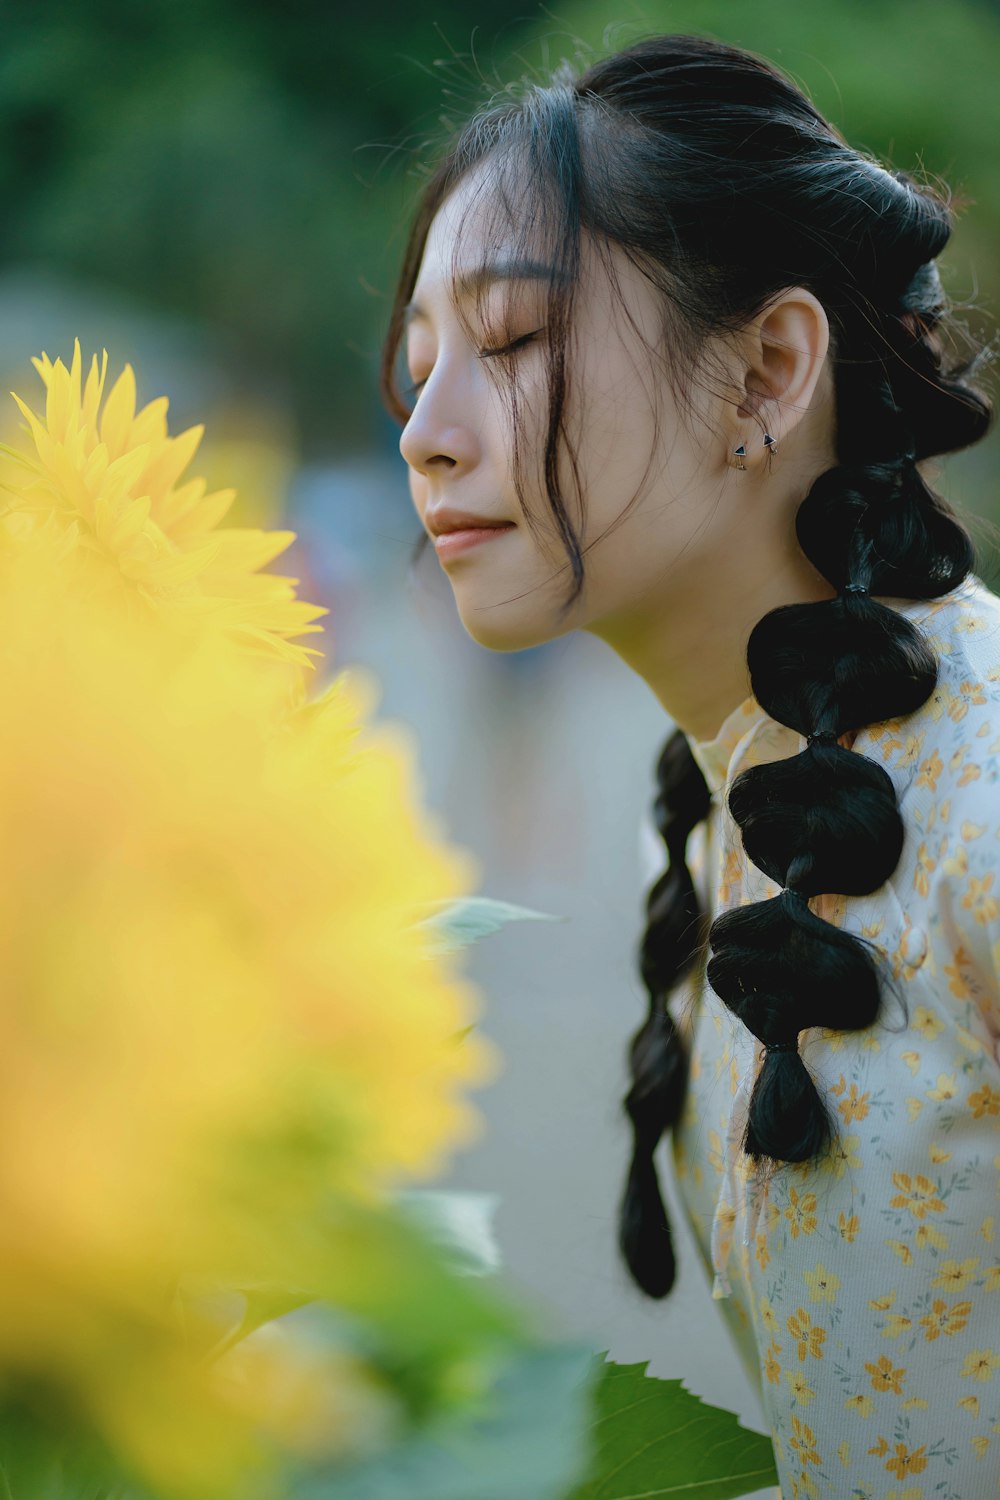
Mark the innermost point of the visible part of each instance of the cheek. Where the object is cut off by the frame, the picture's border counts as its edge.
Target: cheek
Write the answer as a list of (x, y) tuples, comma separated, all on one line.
[(418, 489), (527, 431), (614, 444)]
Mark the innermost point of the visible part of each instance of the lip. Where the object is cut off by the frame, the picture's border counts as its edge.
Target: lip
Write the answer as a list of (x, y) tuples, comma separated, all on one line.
[(442, 518), (452, 543)]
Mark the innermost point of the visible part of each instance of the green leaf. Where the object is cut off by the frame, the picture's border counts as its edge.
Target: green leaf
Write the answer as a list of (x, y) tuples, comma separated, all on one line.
[(45, 1454), (527, 1442), (263, 1303), (391, 1296), (456, 924), (212, 1318), (460, 1222), (654, 1439), (388, 1271), (395, 1296)]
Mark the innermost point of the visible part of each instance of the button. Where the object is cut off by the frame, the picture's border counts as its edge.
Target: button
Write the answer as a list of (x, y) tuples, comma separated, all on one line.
[(913, 947)]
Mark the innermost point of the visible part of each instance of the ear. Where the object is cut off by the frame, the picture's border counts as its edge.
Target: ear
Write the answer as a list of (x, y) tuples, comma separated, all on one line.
[(784, 353)]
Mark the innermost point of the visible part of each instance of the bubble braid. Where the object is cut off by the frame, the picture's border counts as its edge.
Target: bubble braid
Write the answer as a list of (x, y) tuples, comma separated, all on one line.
[(826, 820), (675, 937)]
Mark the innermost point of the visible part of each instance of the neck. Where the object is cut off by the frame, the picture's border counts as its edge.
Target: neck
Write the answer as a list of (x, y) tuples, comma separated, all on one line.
[(690, 642)]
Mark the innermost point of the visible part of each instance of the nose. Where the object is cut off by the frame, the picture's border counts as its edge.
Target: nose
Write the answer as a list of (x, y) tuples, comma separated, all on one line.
[(433, 442)]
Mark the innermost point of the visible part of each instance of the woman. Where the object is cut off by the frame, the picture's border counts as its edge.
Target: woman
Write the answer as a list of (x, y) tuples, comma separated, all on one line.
[(679, 355)]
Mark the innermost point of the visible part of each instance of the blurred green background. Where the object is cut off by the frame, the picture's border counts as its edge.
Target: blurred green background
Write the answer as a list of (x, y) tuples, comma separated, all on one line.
[(247, 167)]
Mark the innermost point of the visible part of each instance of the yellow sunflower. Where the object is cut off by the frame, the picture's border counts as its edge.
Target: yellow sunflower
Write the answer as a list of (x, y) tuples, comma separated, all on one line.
[(112, 477), (218, 1020)]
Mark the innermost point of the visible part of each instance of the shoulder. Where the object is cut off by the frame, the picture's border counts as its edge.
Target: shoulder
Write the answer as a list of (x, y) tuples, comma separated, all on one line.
[(944, 761), (952, 741)]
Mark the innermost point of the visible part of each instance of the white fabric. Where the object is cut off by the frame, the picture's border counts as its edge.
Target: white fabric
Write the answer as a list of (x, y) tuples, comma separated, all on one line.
[(863, 1294)]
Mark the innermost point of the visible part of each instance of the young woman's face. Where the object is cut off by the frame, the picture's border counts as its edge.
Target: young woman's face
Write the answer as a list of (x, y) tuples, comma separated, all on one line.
[(459, 445), (682, 551), (676, 583)]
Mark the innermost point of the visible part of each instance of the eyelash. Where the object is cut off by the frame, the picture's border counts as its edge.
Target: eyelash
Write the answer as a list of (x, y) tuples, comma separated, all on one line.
[(418, 385)]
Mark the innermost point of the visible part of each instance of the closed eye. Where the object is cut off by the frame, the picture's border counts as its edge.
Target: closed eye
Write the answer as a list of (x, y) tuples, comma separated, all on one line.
[(510, 348), (417, 386)]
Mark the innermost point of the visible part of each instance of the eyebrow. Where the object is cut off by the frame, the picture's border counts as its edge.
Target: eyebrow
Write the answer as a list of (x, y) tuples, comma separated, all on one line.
[(470, 282)]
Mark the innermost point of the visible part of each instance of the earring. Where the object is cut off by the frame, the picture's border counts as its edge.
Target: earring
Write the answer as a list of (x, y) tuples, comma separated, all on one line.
[(740, 454), (769, 442)]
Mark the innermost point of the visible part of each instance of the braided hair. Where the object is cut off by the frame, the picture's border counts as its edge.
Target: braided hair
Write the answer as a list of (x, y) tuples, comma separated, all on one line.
[(663, 148)]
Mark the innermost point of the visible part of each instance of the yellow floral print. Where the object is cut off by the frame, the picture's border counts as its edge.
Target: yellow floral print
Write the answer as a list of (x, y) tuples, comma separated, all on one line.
[(767, 1316), (845, 1154), (943, 1319), (896, 1324), (981, 1364), (984, 906), (927, 1023), (873, 1270), (956, 1274), (885, 1377), (906, 1461), (799, 1386), (930, 771), (801, 1213), (823, 1284), (926, 865), (916, 1193), (848, 1226), (853, 1107), (927, 1237), (985, 1101), (809, 1336), (803, 1441)]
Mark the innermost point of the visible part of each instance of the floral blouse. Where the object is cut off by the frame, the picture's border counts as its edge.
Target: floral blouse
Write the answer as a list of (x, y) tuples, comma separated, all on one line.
[(863, 1294)]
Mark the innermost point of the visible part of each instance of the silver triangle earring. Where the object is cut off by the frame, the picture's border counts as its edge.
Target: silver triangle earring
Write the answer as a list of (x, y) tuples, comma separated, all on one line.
[(769, 442), (740, 454)]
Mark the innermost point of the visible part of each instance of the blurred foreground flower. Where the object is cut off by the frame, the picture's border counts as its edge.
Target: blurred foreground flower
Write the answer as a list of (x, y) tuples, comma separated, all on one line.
[(224, 1042), (111, 478), (232, 1036)]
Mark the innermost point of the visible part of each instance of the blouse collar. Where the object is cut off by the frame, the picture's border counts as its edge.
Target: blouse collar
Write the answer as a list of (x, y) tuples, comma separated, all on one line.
[(715, 756), (749, 725)]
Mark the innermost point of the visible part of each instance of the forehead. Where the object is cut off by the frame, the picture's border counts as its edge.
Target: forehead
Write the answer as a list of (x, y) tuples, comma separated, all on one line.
[(474, 242), (463, 225), (492, 232)]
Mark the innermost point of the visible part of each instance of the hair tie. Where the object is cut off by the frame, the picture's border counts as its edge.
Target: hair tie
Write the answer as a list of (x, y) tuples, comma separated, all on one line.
[(822, 737), (854, 588), (924, 291), (781, 1046), (790, 890)]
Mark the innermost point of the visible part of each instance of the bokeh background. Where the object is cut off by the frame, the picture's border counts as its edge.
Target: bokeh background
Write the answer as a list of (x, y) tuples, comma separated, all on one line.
[(218, 192)]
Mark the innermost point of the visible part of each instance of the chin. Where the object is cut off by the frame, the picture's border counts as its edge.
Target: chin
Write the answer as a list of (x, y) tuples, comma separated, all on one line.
[(508, 631)]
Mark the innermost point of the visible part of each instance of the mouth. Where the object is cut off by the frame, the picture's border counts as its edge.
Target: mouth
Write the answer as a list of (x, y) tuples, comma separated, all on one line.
[(451, 543)]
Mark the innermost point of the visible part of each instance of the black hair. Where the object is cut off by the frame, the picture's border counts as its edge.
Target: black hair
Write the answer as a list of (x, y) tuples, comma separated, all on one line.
[(722, 182)]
